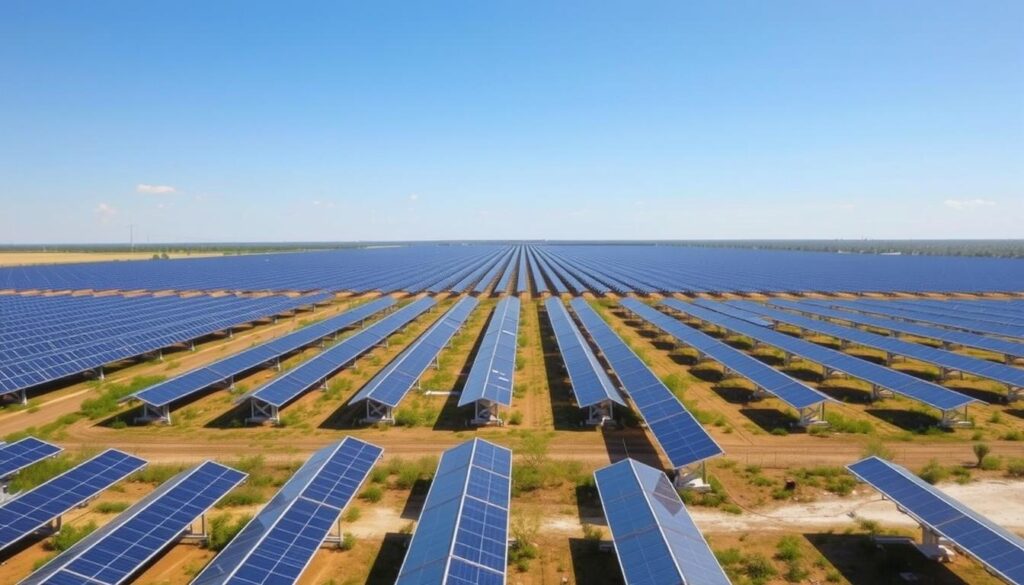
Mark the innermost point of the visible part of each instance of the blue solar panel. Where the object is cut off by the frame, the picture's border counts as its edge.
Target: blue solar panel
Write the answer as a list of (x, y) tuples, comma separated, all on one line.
[(33, 509), (897, 382), (947, 336), (18, 455), (590, 383), (493, 370), (964, 322), (275, 547), (393, 382), (118, 550), (655, 538), (462, 535), (791, 391), (1009, 375), (191, 382), (999, 550), (681, 437), (289, 386)]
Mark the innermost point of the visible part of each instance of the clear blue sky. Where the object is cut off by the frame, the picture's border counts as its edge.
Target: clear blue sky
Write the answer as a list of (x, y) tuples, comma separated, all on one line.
[(224, 121)]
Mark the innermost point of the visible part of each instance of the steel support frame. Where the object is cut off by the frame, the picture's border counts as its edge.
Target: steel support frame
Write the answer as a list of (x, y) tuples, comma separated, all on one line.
[(377, 412), (263, 411), (486, 413)]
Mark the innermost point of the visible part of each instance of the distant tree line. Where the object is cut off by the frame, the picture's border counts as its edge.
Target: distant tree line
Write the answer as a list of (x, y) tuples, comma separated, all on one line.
[(985, 248)]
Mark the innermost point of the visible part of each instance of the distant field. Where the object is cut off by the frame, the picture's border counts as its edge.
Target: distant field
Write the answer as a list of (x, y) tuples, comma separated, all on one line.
[(25, 258)]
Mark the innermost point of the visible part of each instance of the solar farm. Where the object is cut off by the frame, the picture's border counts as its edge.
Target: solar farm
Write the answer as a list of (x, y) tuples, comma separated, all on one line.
[(513, 413)]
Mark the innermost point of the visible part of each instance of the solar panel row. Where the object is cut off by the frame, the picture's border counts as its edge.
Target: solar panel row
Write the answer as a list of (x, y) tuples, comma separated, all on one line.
[(590, 382), (177, 388), (35, 508), (816, 308), (105, 345), (791, 391), (656, 540), (289, 386), (20, 454), (462, 535), (933, 395), (491, 375), (1013, 377), (276, 546), (118, 550), (681, 437), (961, 322), (1001, 551), (392, 383)]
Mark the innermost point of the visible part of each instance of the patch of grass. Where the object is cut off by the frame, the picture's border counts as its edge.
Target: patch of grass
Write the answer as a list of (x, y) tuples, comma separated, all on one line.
[(111, 507), (41, 472), (353, 514), (991, 463), (348, 541), (107, 402), (835, 480), (1015, 468), (155, 474), (516, 418), (841, 424), (245, 495)]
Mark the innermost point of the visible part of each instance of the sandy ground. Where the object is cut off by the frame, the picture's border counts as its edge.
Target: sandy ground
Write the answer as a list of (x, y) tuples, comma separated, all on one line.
[(25, 258)]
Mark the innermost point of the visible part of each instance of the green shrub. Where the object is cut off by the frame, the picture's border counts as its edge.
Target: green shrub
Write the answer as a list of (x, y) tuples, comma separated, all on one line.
[(348, 542), (107, 402), (223, 528), (933, 473), (353, 514), (980, 451), (991, 463), (516, 418), (1015, 468), (795, 573), (41, 472), (729, 557), (758, 568), (788, 549), (70, 534), (372, 494)]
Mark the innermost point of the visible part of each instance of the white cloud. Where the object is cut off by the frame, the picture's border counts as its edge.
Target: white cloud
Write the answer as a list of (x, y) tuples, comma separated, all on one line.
[(154, 189), (323, 204), (414, 197), (960, 204), (105, 212)]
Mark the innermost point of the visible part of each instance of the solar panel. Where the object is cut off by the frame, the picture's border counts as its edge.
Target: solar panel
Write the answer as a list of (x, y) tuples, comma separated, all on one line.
[(491, 376), (289, 386), (462, 535), (162, 394), (790, 390), (20, 454), (32, 510), (118, 550), (656, 540), (963, 322), (933, 395), (393, 382), (1009, 375), (681, 437), (275, 547), (997, 549), (947, 336), (590, 383)]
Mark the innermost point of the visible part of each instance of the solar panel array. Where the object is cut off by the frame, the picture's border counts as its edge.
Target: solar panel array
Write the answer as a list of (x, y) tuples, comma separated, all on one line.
[(392, 383), (1009, 375), (33, 509), (182, 386), (118, 550), (999, 550), (46, 338), (493, 370), (20, 454), (590, 382), (275, 547), (290, 385), (897, 382), (948, 336), (462, 535), (787, 389), (656, 540), (681, 437), (962, 321)]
